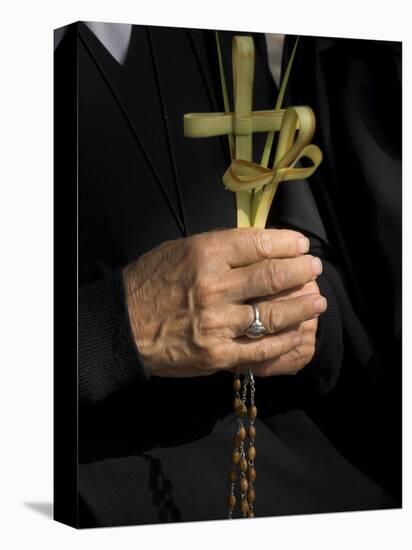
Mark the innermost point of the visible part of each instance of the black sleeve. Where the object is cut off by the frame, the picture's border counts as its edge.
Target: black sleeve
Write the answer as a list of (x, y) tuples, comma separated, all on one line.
[(108, 358), (322, 373)]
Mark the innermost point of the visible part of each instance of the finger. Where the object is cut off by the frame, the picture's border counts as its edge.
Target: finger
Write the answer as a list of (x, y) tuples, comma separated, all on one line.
[(245, 246), (309, 327), (245, 351), (307, 288), (269, 277), (275, 315), (287, 364)]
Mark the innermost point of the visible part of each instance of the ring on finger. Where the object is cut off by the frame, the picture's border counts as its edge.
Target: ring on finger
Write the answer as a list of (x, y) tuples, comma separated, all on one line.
[(256, 329)]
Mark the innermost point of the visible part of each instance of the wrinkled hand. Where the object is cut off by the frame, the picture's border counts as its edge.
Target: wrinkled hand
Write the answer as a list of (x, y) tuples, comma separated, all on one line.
[(297, 358), (186, 302)]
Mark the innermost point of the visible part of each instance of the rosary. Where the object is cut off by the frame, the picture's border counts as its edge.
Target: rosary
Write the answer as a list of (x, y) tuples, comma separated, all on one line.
[(255, 186), (243, 458)]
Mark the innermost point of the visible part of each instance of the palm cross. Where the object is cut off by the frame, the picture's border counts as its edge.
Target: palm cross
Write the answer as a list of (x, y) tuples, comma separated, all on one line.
[(255, 185)]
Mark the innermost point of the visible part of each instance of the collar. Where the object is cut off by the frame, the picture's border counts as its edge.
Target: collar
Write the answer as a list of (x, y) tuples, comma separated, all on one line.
[(115, 37)]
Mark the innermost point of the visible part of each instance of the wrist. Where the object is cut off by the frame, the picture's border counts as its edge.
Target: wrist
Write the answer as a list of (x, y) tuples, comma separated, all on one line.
[(135, 307)]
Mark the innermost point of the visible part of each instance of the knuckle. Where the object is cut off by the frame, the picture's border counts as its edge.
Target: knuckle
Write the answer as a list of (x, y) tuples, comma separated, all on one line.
[(297, 354), (203, 290), (276, 317), (193, 247), (264, 244), (275, 277), (198, 249), (207, 321), (263, 351)]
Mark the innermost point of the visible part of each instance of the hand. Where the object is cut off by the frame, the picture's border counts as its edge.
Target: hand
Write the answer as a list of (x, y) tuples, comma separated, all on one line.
[(186, 301), (293, 361)]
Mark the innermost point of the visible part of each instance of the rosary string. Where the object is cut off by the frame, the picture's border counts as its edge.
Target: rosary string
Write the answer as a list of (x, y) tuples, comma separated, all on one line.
[(241, 460), (243, 465)]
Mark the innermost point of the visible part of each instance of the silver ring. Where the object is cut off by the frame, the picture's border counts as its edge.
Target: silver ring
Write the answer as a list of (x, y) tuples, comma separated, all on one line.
[(256, 329)]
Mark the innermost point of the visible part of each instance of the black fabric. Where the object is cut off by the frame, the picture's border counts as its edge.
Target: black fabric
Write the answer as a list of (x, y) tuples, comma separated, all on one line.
[(354, 86), (136, 431), (298, 471), (105, 332)]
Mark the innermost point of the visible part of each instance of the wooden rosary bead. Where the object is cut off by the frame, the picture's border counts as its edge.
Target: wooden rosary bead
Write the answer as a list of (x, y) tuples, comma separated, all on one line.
[(244, 506), (252, 412), (231, 501), (248, 472), (243, 464), (237, 403), (251, 496), (232, 475), (251, 453), (251, 473), (239, 437), (244, 485), (235, 457)]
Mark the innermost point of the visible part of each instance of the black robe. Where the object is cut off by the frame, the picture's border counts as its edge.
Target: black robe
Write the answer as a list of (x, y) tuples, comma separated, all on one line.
[(155, 449)]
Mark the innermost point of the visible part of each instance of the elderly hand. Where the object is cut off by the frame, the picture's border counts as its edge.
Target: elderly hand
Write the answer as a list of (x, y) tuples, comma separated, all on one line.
[(186, 302), (294, 360)]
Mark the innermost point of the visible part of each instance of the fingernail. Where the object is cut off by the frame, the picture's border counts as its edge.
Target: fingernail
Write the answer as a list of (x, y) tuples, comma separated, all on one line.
[(320, 305), (303, 245), (316, 267)]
